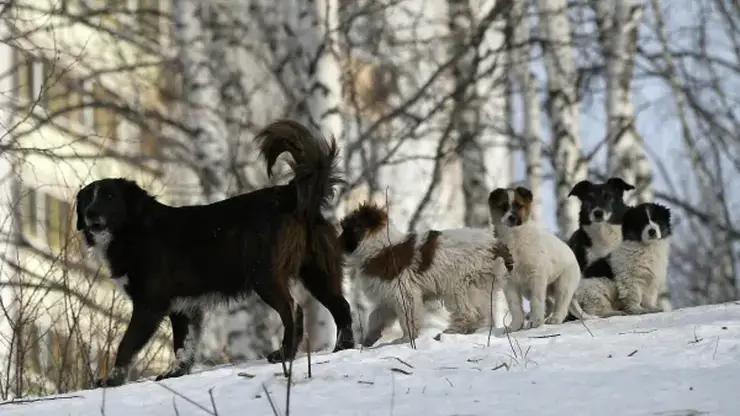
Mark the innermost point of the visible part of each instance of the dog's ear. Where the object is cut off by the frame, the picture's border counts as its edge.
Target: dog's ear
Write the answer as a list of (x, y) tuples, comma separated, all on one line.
[(80, 216), (619, 184), (497, 197), (525, 194), (134, 198), (664, 211), (581, 189)]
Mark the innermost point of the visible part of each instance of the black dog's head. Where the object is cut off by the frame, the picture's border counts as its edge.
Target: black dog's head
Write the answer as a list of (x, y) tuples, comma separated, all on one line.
[(646, 222), (510, 206), (109, 205), (601, 202)]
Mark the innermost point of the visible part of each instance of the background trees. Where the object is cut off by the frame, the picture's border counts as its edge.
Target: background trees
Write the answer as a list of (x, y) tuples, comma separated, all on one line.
[(435, 104)]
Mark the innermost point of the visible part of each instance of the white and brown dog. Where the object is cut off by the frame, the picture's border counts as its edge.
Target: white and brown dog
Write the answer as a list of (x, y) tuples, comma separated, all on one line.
[(398, 272), (544, 266)]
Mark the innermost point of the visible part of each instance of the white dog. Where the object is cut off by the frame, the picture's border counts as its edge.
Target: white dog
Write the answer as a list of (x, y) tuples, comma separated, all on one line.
[(628, 280), (399, 272), (544, 266)]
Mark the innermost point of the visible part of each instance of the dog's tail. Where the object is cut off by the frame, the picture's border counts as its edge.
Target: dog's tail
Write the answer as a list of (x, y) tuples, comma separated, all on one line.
[(315, 162)]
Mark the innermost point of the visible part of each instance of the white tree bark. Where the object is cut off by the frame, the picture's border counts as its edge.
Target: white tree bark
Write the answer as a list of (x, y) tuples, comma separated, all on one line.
[(466, 113), (618, 24), (318, 85), (526, 86), (562, 110), (209, 132)]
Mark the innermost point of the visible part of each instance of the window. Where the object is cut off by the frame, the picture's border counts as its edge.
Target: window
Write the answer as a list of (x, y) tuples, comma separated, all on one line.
[(109, 12), (147, 19), (62, 94), (29, 213), (24, 63), (105, 115), (58, 221)]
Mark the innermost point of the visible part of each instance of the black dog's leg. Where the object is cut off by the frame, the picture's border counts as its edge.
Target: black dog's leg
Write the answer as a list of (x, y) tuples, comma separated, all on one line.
[(185, 340), (328, 290), (143, 324), (278, 297)]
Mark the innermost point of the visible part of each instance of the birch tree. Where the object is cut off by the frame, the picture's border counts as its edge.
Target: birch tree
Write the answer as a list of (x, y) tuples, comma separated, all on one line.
[(562, 110), (526, 86), (618, 23)]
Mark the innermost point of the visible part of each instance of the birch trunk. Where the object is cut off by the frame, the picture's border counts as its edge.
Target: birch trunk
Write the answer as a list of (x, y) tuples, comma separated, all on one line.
[(618, 34), (562, 110), (314, 24), (725, 288), (467, 112), (201, 100), (526, 84)]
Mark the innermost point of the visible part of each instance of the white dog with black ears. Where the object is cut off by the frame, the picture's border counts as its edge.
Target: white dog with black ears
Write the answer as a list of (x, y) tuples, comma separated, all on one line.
[(544, 266), (629, 280), (399, 271)]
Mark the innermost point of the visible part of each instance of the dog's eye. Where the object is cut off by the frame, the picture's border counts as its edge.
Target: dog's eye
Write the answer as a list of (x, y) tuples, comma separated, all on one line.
[(516, 205)]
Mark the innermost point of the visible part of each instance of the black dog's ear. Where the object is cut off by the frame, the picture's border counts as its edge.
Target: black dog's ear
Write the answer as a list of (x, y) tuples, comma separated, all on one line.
[(134, 197), (525, 194), (581, 189), (80, 217), (497, 197), (619, 184)]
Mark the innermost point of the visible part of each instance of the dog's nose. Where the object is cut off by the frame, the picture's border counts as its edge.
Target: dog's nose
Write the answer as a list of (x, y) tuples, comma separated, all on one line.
[(598, 214), (652, 233)]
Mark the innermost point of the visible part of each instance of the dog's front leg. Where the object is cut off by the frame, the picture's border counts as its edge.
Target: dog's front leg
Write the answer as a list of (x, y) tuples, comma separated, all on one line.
[(143, 324), (185, 341), (409, 307), (538, 296), (380, 318), (650, 299), (630, 296), (514, 300)]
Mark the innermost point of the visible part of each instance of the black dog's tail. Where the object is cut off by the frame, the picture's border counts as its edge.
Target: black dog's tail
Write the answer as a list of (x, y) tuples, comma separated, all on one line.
[(315, 162)]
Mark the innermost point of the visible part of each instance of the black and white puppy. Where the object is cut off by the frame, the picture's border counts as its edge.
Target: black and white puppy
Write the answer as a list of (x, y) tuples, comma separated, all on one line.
[(630, 279), (600, 218)]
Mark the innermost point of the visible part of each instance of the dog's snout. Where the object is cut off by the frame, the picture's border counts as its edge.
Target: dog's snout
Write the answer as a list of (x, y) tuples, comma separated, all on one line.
[(652, 233), (598, 214)]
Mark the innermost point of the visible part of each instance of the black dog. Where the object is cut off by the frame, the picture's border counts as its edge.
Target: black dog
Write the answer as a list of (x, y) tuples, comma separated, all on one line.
[(600, 219), (175, 261)]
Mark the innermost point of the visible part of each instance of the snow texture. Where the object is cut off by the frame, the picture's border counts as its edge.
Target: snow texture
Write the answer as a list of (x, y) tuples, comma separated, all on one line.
[(685, 362)]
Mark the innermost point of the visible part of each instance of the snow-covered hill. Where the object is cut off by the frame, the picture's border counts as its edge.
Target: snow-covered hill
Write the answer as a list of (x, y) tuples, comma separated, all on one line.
[(686, 362)]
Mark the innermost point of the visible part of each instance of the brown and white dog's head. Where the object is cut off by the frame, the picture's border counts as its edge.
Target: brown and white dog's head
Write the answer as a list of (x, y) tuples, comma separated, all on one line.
[(363, 222), (511, 207)]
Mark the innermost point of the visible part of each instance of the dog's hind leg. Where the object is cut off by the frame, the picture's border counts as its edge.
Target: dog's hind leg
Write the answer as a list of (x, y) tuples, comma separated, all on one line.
[(185, 340), (463, 311), (380, 318), (142, 326), (563, 289), (278, 296), (409, 307), (327, 289)]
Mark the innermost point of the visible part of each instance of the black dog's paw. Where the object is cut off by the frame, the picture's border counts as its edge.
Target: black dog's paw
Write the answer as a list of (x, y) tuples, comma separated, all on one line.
[(346, 340), (113, 381), (177, 372), (278, 357)]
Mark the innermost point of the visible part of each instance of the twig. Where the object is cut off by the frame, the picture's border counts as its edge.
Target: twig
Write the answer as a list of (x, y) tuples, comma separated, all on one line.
[(370, 383), (587, 328), (39, 399), (275, 410), (545, 336), (637, 332), (500, 366), (400, 370), (213, 401), (632, 353), (401, 361), (187, 399), (174, 406), (449, 382)]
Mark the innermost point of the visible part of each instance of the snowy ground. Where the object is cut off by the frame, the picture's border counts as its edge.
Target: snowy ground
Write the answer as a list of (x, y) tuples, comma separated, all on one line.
[(682, 363)]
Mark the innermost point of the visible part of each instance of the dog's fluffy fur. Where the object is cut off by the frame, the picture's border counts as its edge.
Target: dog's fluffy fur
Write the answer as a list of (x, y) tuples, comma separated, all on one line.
[(399, 271), (630, 278), (174, 261), (599, 220), (544, 266)]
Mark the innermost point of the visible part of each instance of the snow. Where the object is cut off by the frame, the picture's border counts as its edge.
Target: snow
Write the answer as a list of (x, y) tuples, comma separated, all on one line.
[(686, 362)]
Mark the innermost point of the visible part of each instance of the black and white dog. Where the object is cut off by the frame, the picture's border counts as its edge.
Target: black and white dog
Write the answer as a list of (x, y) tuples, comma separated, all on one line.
[(629, 280), (599, 220), (174, 261)]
